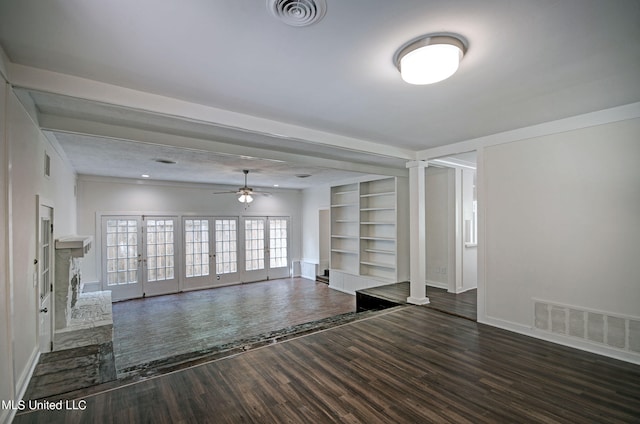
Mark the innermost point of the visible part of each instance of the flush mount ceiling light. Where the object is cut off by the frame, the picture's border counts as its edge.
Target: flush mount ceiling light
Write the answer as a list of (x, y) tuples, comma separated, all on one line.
[(429, 59)]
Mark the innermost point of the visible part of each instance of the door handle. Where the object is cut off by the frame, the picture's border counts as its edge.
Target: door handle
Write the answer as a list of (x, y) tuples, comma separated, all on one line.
[(44, 310)]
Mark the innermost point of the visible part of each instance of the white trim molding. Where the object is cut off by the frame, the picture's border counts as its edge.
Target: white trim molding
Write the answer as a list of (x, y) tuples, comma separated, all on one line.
[(601, 117)]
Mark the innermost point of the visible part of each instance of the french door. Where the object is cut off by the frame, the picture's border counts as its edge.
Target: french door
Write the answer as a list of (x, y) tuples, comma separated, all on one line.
[(210, 251), (266, 248), (139, 256), (154, 255), (45, 277)]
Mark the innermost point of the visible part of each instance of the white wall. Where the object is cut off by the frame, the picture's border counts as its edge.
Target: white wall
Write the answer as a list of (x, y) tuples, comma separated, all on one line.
[(561, 222), (109, 195), (27, 147), (6, 357), (324, 218), (313, 199), (440, 218)]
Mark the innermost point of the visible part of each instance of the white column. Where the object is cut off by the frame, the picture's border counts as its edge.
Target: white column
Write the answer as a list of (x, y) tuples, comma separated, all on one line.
[(418, 235)]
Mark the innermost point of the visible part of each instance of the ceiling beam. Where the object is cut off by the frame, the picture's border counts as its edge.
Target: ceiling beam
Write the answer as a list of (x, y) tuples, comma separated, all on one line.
[(49, 122), (53, 82)]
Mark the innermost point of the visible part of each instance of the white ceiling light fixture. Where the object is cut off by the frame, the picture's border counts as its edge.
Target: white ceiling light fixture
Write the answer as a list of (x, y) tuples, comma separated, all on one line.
[(429, 59)]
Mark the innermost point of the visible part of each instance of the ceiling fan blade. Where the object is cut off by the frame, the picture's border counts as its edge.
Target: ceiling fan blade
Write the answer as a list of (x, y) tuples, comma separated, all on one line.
[(226, 192)]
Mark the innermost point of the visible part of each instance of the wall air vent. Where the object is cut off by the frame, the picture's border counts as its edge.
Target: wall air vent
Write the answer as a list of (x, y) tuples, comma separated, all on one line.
[(297, 12), (614, 331)]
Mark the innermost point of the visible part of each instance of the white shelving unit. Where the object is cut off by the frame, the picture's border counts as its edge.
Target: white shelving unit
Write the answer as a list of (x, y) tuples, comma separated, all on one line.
[(344, 228), (370, 234)]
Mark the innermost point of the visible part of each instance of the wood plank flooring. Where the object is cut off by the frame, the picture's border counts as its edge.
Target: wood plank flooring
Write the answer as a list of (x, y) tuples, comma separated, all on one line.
[(403, 365), (162, 334), (463, 304), (152, 329)]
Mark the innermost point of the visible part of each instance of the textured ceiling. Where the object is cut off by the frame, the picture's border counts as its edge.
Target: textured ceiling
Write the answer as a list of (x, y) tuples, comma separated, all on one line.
[(527, 62), (126, 159)]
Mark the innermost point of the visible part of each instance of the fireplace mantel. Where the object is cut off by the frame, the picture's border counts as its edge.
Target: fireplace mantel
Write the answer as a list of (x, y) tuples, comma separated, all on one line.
[(78, 245), (81, 319)]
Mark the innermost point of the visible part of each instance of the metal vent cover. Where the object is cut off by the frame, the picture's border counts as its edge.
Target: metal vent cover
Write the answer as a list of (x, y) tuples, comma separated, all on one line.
[(297, 12)]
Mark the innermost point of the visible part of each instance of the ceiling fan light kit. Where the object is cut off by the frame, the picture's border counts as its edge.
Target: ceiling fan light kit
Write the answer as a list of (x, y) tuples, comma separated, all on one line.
[(430, 58), (245, 193), (245, 198)]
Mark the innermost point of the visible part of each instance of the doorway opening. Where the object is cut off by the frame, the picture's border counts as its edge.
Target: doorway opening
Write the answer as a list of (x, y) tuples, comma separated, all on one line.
[(452, 225)]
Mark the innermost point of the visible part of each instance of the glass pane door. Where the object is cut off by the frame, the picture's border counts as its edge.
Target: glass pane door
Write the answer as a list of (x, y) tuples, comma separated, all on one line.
[(210, 252), (255, 266), (278, 247), (266, 248), (122, 256), (160, 276), (45, 277), (198, 256), (226, 252)]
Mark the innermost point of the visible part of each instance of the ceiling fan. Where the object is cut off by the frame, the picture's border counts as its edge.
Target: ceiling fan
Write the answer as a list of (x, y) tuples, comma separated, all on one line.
[(245, 193)]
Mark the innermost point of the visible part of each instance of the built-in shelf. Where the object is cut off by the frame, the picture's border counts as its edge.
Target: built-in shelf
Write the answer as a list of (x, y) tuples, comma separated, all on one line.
[(387, 193), (381, 251), (370, 242), (381, 265), (348, 252), (340, 193), (376, 209)]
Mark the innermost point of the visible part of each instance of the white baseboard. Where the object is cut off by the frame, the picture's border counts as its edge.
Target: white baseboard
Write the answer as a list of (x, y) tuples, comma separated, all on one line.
[(437, 285), (561, 340), (462, 290), (352, 293), (25, 377)]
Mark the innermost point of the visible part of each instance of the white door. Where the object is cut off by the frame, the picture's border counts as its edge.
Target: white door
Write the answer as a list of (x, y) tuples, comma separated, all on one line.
[(139, 256), (122, 256), (210, 252), (159, 274), (278, 248), (45, 278), (266, 248), (255, 249), (226, 250)]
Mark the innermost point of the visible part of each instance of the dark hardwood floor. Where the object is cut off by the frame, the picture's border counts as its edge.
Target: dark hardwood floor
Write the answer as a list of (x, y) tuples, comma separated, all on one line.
[(463, 304), (402, 365), (147, 330), (161, 334)]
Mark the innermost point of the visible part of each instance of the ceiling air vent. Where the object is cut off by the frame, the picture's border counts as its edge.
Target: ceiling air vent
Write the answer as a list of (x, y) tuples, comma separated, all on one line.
[(297, 12)]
